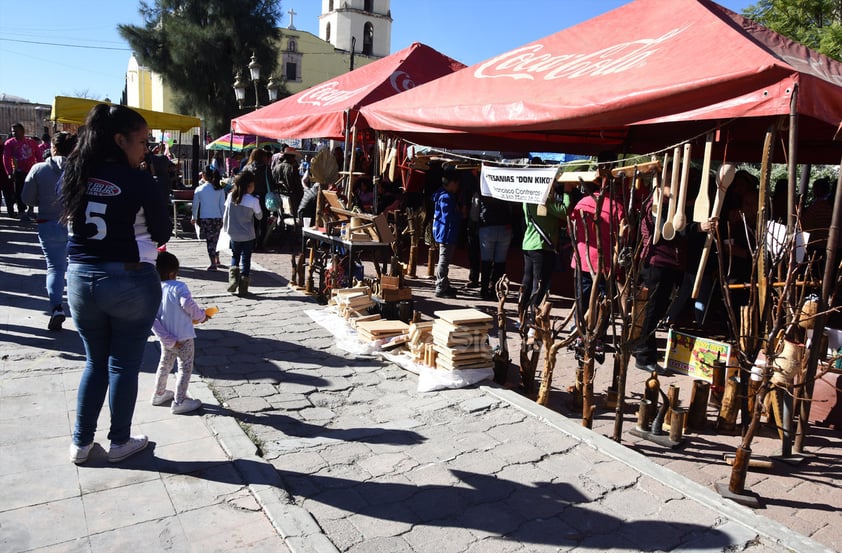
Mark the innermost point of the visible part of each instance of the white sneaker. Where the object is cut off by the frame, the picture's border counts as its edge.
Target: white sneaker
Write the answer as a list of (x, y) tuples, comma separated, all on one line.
[(189, 404), (160, 399), (79, 453), (134, 445)]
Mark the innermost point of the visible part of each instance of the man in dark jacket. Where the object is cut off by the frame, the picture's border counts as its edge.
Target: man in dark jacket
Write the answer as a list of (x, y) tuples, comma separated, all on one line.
[(288, 177)]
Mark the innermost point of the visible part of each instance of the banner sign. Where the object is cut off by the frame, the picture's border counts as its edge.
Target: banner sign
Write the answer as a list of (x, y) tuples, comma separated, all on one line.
[(695, 356), (529, 185)]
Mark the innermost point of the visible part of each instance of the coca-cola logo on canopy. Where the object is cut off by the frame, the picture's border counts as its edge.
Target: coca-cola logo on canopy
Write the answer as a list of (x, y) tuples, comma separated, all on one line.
[(401, 81), (328, 94), (529, 63)]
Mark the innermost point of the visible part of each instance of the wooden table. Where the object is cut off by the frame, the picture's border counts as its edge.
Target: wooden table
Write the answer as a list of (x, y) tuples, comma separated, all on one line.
[(337, 244)]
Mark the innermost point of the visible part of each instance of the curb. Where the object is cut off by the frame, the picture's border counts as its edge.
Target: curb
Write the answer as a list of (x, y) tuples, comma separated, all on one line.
[(294, 524)]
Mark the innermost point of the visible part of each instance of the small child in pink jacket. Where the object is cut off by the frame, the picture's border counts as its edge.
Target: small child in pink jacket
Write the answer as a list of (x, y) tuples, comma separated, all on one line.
[(174, 329)]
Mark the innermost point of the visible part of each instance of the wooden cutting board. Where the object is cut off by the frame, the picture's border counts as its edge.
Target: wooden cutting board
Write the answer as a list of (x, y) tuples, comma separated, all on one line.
[(456, 357), (443, 327), (383, 326), (458, 317), (446, 365), (459, 339)]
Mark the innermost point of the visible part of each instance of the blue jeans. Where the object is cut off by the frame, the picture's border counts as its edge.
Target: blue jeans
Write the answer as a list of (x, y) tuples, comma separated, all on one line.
[(494, 242), (53, 238), (241, 256), (113, 306)]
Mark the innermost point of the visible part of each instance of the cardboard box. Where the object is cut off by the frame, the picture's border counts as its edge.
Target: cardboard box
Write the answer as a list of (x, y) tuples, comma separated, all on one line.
[(390, 282), (399, 294)]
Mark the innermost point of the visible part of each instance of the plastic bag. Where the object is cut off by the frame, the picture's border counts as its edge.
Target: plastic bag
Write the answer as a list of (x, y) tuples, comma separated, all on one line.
[(273, 201)]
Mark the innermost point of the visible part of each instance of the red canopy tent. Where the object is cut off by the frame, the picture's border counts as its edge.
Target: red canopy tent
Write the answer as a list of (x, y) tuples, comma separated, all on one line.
[(639, 78), (327, 110)]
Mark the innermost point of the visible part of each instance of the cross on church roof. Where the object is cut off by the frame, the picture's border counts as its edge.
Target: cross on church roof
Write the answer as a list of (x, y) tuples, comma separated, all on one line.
[(292, 13)]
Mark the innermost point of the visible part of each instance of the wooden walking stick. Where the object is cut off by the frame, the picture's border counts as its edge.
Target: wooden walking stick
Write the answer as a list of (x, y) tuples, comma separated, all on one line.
[(528, 361), (432, 249), (544, 331), (501, 356)]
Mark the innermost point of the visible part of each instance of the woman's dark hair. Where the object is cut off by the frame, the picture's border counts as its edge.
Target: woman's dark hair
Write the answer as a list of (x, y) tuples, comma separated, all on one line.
[(64, 142), (95, 147), (216, 180), (212, 176), (258, 155), (241, 186), (166, 264)]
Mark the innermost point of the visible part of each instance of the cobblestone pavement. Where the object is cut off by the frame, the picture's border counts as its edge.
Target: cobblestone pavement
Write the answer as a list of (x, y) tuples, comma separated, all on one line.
[(364, 462)]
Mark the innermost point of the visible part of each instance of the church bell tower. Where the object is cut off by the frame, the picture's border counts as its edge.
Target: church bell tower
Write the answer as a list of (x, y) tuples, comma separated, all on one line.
[(365, 25)]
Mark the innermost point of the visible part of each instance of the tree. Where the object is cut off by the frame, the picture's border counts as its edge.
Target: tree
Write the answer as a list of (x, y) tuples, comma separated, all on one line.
[(816, 24), (198, 46)]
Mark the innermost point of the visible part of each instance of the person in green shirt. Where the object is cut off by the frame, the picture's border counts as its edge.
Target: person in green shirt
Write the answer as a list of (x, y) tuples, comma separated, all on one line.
[(540, 244)]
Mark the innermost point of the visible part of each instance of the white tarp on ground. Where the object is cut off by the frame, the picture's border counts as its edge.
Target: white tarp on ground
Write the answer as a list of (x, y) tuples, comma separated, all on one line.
[(429, 379)]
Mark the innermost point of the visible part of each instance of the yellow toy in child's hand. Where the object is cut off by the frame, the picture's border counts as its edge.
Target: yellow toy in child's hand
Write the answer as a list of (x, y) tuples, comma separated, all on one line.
[(209, 312)]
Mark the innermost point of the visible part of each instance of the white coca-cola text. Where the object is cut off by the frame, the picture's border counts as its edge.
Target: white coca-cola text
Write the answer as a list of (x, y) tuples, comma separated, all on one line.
[(328, 94), (527, 63)]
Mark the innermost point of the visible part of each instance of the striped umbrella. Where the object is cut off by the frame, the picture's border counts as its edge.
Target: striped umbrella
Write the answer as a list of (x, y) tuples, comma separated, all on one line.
[(241, 142)]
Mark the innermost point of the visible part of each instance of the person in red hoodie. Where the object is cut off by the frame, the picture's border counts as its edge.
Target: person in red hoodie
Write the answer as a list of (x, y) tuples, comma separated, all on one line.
[(7, 187), (20, 153)]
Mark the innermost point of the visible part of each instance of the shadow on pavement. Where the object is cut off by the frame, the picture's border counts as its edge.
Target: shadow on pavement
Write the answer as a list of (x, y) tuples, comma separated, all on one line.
[(66, 341), (257, 356), (546, 513), (293, 427)]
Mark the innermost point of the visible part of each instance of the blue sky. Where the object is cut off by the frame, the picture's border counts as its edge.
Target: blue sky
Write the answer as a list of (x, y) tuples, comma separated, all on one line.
[(37, 63)]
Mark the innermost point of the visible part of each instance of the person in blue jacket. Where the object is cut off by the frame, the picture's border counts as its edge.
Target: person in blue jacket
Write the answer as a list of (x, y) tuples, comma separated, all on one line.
[(446, 222)]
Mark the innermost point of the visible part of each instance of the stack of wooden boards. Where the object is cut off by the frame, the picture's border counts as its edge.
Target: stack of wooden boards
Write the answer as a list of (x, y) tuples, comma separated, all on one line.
[(353, 303), (460, 339), (421, 343), (382, 329)]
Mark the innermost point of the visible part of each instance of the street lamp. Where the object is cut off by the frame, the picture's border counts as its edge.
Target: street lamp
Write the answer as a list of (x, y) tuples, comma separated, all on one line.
[(273, 87), (254, 71)]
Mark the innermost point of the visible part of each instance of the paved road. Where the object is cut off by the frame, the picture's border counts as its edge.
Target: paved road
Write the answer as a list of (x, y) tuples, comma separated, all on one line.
[(350, 456)]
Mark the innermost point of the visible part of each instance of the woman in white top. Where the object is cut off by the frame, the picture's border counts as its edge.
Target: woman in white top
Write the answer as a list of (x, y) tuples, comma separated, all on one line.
[(241, 210), (208, 206)]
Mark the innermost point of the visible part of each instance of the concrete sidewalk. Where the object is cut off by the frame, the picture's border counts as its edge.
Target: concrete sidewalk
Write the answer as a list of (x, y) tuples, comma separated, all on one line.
[(199, 486), (342, 453)]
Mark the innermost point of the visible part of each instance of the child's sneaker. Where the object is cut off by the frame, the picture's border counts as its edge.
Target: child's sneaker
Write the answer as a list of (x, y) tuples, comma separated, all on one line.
[(160, 399), (79, 453), (189, 404), (134, 445)]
